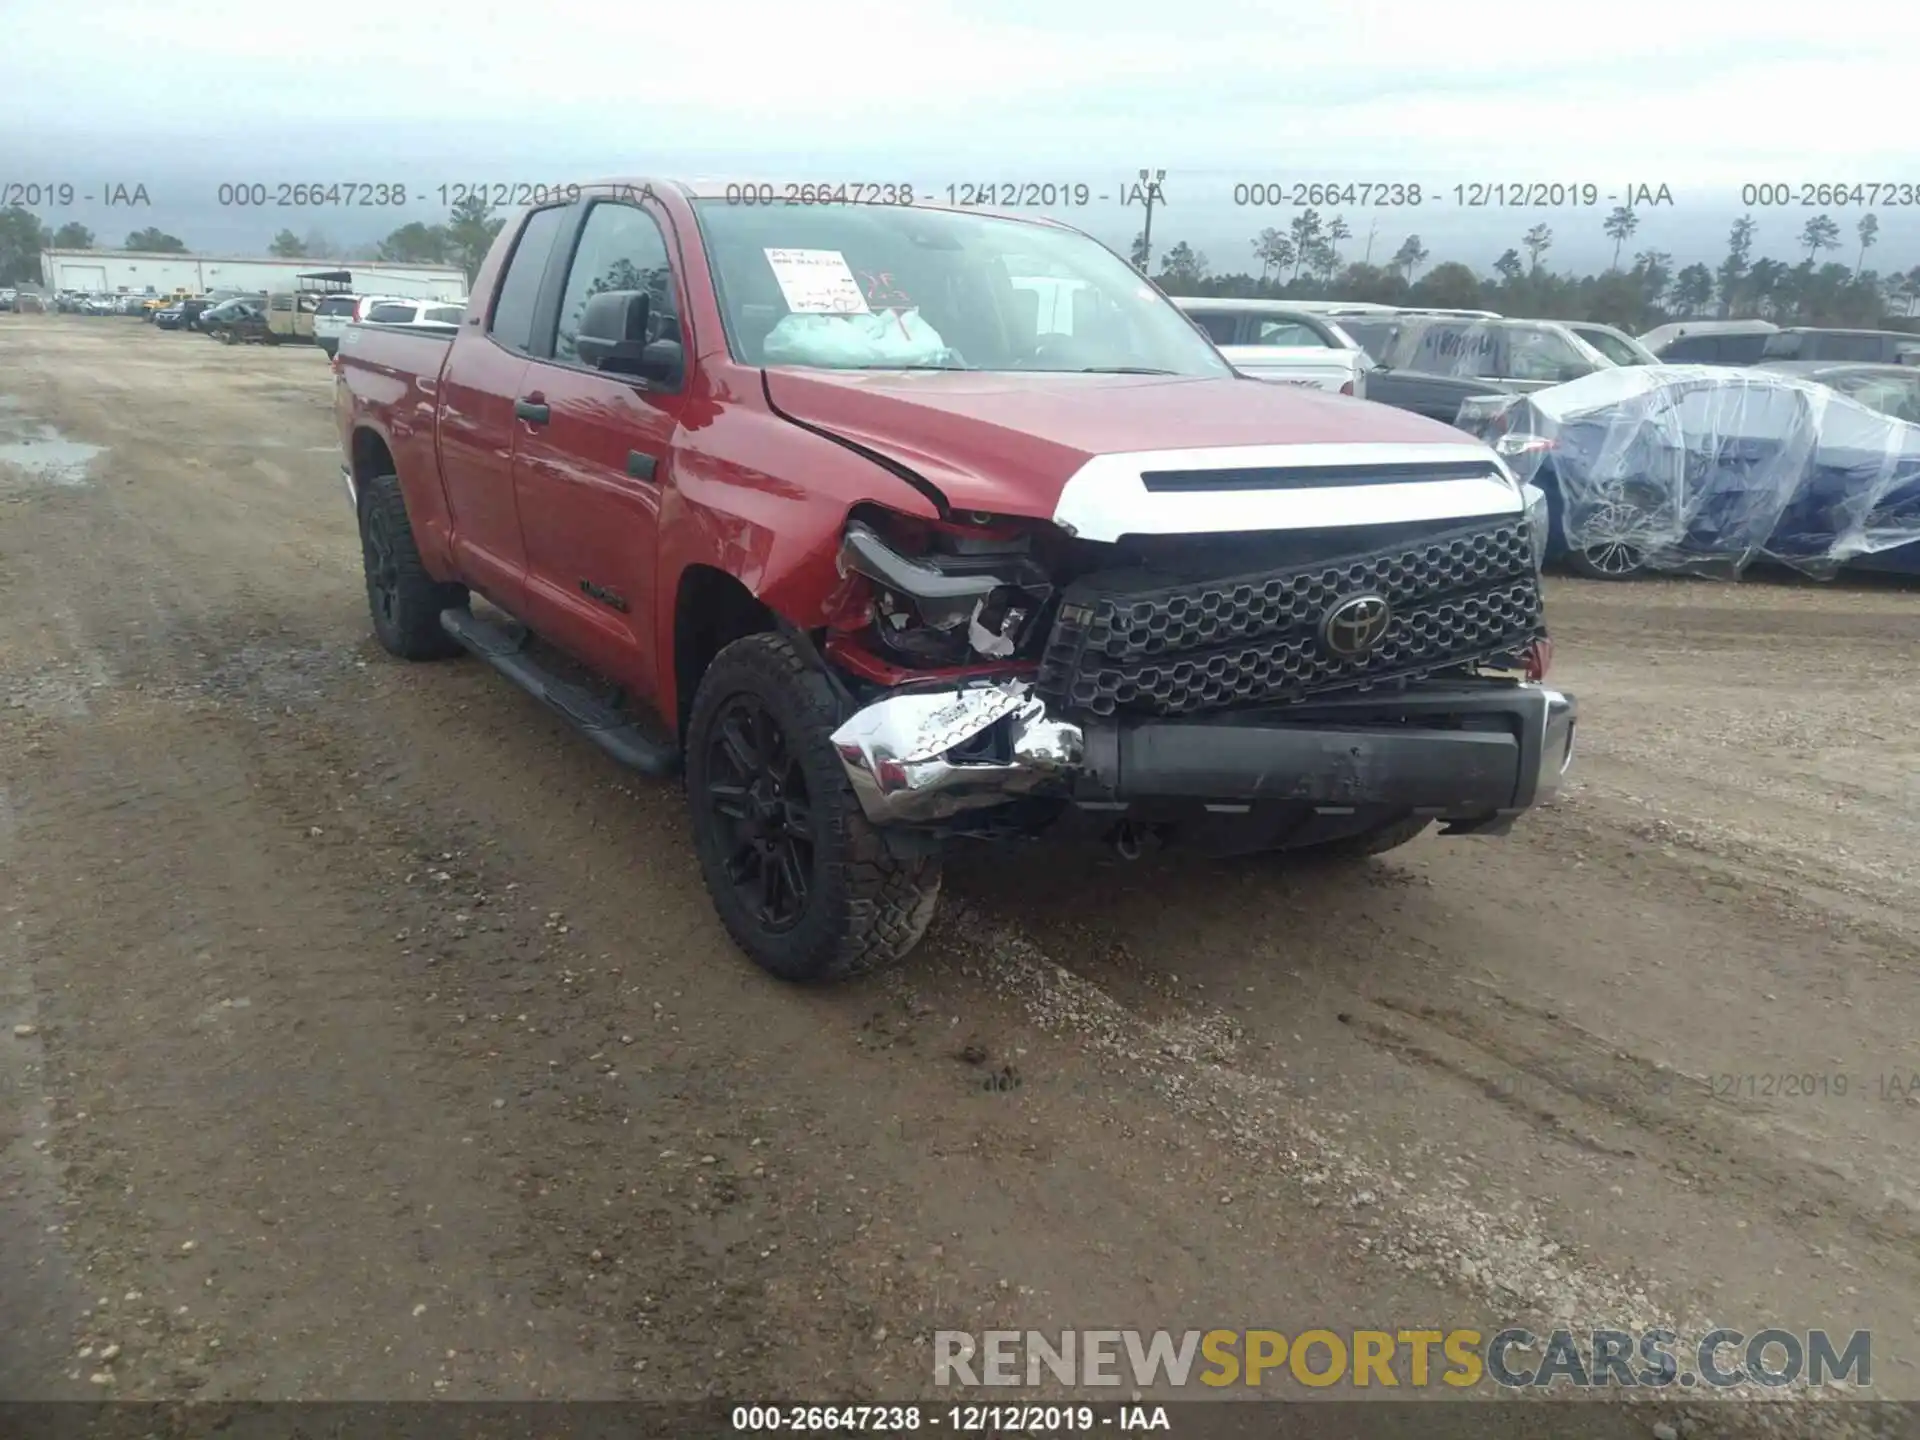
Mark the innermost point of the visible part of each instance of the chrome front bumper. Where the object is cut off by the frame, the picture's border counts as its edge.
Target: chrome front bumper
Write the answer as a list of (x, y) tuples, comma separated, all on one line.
[(919, 757)]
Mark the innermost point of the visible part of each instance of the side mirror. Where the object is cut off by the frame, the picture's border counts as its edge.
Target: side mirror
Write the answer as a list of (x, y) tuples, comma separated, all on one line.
[(613, 337)]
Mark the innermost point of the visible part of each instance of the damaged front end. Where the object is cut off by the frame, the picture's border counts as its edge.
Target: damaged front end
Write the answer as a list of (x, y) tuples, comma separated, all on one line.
[(977, 598), (1287, 681)]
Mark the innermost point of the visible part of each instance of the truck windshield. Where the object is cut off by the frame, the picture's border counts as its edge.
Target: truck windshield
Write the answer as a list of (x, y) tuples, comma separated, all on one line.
[(879, 287)]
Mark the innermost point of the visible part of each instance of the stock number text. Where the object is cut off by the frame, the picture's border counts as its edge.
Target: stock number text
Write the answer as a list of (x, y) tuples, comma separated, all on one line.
[(820, 192), (306, 196), (1788, 192), (837, 1419), (1351, 192)]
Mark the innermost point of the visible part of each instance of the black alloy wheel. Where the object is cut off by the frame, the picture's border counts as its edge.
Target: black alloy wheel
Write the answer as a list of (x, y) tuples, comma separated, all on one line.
[(757, 792)]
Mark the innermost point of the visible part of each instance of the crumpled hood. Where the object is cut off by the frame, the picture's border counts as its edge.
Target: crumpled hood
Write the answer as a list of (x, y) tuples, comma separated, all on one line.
[(1008, 444)]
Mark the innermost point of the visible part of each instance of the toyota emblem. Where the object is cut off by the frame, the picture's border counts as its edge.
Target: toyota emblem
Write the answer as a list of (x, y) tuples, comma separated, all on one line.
[(1354, 626)]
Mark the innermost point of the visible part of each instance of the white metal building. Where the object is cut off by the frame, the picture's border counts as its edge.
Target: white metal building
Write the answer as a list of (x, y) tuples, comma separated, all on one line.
[(115, 272)]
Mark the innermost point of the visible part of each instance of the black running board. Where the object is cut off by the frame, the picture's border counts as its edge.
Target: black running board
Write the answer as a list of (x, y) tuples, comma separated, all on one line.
[(504, 647)]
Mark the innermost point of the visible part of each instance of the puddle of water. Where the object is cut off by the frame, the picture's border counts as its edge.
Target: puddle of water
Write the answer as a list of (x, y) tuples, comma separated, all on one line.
[(48, 457)]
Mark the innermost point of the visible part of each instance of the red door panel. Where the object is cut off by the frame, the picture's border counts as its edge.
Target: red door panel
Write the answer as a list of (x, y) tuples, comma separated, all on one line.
[(590, 513), (478, 433)]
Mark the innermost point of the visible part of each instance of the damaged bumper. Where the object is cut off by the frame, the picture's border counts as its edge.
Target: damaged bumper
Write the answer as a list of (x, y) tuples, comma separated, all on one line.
[(1474, 756)]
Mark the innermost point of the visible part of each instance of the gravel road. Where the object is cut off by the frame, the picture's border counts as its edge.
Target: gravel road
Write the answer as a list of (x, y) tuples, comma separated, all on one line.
[(366, 1034)]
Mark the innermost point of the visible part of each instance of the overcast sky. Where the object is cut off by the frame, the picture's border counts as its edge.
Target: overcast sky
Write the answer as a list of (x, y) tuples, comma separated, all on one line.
[(1698, 95)]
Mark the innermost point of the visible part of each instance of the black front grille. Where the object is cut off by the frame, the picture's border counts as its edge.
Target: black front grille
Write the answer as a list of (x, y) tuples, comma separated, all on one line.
[(1122, 642)]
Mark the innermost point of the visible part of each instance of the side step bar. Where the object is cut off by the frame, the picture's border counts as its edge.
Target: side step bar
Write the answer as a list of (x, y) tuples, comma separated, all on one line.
[(504, 648)]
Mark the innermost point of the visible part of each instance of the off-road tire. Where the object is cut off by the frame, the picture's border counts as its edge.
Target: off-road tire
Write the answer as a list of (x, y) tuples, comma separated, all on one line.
[(867, 905), (1377, 841), (403, 599)]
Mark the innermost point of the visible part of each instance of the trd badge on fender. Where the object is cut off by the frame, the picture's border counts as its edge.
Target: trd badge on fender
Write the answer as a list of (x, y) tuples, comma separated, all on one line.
[(1354, 626)]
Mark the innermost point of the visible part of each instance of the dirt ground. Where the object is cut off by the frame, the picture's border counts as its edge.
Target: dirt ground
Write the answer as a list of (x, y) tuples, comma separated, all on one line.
[(366, 1034)]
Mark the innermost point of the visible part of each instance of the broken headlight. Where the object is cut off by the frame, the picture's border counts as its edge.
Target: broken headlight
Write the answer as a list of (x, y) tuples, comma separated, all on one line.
[(949, 595)]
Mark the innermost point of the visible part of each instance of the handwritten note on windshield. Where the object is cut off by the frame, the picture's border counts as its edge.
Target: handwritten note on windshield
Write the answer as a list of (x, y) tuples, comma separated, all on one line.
[(817, 282)]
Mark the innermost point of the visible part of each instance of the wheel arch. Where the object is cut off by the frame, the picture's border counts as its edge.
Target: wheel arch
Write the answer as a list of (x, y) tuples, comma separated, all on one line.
[(369, 455), (711, 610)]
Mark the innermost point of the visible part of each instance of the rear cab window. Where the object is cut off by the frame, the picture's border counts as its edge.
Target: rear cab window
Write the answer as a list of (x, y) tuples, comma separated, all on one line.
[(518, 295), (392, 315)]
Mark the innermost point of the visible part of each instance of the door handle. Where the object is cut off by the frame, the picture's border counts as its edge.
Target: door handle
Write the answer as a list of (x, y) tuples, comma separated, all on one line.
[(534, 409)]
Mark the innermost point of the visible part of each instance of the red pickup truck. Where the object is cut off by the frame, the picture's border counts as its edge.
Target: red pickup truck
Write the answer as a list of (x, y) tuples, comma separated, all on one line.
[(895, 526)]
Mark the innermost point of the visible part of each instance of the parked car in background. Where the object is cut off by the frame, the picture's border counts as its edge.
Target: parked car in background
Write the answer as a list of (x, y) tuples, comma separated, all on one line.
[(432, 313), (1272, 340), (335, 313), (100, 305), (1709, 342), (232, 320), (1862, 347), (1680, 467), (1891, 389), (272, 319), (180, 314), (8, 297), (1431, 365), (1618, 346)]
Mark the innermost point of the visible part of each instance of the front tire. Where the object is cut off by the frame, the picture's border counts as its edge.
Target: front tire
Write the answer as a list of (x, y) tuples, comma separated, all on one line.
[(404, 599), (805, 885)]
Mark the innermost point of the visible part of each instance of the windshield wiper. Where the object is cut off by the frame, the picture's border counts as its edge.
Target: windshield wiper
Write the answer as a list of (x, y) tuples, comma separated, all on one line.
[(897, 367), (1123, 370)]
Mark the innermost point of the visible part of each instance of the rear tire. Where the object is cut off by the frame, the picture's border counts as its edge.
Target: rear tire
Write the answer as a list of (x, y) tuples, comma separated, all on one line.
[(404, 599), (804, 883)]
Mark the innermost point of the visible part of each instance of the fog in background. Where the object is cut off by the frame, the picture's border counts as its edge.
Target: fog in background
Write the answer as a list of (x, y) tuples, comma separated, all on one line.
[(1699, 97)]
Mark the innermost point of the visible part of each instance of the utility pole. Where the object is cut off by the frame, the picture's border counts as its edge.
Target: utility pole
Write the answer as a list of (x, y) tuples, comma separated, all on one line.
[(1372, 229), (1151, 181)]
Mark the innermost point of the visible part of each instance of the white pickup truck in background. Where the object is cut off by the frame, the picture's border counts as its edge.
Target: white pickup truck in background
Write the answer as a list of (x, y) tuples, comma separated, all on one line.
[(1282, 343), (339, 311)]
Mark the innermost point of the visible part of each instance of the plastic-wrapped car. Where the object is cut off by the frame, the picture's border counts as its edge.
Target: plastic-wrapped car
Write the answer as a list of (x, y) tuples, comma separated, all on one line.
[(1685, 467)]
